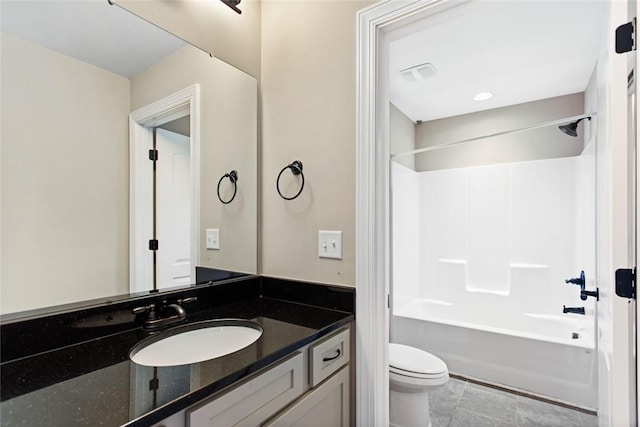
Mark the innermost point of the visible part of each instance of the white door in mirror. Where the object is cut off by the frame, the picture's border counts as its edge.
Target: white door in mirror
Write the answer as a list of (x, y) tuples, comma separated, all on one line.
[(196, 346), (173, 207)]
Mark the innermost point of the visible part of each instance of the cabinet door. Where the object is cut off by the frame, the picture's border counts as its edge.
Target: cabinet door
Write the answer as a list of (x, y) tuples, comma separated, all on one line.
[(324, 406), (251, 403)]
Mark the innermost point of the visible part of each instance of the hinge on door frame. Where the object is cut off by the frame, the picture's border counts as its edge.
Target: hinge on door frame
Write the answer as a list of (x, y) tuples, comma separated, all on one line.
[(153, 155), (626, 37), (153, 245), (626, 282)]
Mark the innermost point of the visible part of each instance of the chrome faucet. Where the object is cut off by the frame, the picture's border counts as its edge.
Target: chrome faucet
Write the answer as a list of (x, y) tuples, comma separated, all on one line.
[(154, 321)]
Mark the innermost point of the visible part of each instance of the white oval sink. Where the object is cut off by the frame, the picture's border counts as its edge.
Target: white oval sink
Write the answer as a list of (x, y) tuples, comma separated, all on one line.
[(195, 342)]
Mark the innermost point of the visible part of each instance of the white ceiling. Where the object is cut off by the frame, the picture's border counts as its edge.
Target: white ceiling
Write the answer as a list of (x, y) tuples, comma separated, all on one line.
[(520, 51), (91, 31)]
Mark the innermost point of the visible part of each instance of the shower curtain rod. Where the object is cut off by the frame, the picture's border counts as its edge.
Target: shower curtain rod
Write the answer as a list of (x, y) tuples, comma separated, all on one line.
[(477, 138)]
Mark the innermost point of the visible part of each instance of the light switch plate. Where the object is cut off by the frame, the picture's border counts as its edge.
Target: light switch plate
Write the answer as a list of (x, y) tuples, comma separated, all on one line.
[(213, 238), (330, 244)]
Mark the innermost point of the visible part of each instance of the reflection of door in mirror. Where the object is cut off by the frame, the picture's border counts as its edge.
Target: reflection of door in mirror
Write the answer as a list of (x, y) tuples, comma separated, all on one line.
[(153, 387), (164, 171), (173, 209)]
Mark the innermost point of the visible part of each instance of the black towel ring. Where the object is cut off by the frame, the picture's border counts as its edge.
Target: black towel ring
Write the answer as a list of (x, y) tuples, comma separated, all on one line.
[(296, 169), (233, 177)]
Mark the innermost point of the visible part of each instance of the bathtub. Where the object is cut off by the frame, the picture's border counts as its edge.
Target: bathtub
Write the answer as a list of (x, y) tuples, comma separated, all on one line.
[(547, 355)]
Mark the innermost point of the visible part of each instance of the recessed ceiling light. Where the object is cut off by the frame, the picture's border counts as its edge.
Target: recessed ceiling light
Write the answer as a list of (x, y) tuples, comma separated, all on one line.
[(482, 96)]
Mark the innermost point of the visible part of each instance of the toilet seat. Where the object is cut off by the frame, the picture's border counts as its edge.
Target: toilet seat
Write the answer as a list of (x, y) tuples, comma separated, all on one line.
[(415, 363)]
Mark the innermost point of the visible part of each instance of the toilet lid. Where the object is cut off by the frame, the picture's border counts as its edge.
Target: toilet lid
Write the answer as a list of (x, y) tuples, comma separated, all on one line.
[(410, 359)]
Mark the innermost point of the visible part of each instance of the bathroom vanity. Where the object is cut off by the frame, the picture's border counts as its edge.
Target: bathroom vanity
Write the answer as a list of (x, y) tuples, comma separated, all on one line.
[(70, 365), (73, 367), (309, 387)]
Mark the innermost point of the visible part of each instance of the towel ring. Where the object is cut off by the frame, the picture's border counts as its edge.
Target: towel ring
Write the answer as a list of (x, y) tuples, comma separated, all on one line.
[(233, 177), (296, 169)]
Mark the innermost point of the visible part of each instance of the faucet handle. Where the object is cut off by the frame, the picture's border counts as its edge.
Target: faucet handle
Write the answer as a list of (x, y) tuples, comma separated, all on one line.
[(151, 309), (187, 300), (584, 294), (143, 309)]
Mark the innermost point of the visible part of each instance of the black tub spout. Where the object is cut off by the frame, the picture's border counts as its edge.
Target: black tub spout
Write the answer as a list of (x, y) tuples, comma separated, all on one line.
[(576, 310)]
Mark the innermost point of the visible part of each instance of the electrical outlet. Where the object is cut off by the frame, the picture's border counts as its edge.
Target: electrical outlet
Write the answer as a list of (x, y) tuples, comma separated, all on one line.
[(330, 244), (213, 238)]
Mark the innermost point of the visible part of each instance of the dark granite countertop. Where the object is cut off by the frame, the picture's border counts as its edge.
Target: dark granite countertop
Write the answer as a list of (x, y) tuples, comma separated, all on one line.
[(93, 383)]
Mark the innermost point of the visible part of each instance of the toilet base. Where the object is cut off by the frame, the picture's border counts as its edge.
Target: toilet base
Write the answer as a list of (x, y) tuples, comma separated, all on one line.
[(409, 409)]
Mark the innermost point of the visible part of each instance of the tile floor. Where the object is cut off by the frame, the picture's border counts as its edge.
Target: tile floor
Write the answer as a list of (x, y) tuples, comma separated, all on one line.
[(464, 404)]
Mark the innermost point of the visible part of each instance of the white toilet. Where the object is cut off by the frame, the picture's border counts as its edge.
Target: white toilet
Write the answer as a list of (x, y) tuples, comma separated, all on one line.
[(412, 373)]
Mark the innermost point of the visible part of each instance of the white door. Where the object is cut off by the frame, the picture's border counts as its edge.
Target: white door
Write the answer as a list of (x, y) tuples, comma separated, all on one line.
[(173, 209), (616, 341), (183, 103), (632, 126)]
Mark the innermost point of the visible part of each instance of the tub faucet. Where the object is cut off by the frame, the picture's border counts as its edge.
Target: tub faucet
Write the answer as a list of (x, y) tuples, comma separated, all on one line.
[(576, 310), (584, 294)]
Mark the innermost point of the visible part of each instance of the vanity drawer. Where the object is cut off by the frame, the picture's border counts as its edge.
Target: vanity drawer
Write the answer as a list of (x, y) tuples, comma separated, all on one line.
[(328, 356), (251, 403)]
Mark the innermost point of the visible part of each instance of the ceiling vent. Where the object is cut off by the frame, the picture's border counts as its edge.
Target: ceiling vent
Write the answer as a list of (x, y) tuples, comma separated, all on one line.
[(419, 73)]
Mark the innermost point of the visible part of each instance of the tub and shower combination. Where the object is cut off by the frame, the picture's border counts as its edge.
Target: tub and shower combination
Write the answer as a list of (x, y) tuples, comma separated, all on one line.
[(480, 258), (547, 355)]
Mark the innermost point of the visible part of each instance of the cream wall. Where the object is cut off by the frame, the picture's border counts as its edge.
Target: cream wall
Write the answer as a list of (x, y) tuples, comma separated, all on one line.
[(210, 25), (228, 126), (537, 144), (308, 114), (304, 54), (64, 136)]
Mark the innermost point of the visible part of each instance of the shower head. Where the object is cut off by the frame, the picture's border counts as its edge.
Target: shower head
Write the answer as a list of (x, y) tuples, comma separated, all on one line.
[(571, 128)]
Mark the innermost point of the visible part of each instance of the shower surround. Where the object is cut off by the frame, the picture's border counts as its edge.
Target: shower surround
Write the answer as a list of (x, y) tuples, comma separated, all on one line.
[(480, 258)]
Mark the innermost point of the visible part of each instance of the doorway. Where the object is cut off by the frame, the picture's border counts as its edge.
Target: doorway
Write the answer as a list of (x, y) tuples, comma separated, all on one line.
[(378, 26)]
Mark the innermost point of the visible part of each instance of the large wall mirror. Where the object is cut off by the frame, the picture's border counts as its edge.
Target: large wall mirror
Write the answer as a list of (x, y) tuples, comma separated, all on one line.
[(86, 88)]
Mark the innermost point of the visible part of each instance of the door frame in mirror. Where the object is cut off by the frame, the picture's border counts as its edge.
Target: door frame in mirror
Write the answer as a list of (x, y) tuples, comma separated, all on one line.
[(141, 124)]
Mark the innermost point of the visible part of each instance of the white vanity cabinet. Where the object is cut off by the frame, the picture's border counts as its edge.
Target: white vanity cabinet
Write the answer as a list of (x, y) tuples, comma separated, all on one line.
[(249, 404), (326, 405), (308, 388)]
